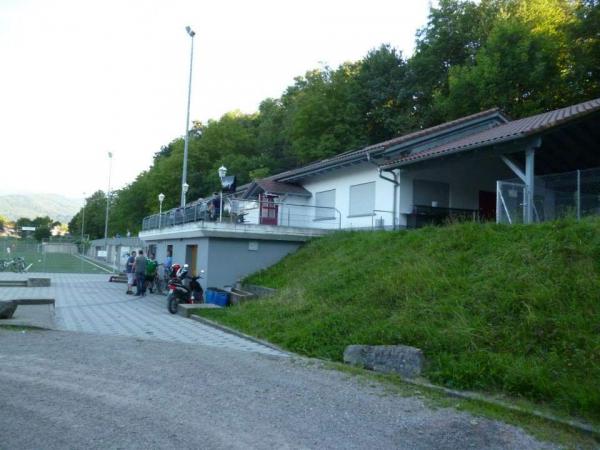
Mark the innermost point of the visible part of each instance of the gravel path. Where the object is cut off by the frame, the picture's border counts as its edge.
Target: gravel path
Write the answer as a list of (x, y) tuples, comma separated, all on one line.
[(75, 390)]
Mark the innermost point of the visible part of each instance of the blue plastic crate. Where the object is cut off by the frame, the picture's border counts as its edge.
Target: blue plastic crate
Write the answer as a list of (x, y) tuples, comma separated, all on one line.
[(216, 296)]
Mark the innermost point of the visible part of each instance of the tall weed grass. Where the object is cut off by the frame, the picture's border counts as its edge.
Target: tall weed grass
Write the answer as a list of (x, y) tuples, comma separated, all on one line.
[(506, 309)]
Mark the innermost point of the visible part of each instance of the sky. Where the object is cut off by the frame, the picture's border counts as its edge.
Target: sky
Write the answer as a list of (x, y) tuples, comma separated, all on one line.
[(81, 78)]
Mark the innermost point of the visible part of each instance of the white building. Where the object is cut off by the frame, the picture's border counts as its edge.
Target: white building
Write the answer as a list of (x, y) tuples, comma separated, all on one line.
[(480, 167)]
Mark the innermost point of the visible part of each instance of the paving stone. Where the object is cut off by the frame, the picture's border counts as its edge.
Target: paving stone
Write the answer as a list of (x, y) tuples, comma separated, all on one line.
[(89, 303)]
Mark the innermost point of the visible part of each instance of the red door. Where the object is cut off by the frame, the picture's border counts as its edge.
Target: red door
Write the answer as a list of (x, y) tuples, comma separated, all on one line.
[(487, 205), (268, 209)]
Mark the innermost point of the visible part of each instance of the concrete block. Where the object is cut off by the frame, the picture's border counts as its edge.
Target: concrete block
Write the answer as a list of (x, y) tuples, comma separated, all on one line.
[(401, 359), (186, 310), (259, 291), (238, 296), (7, 309)]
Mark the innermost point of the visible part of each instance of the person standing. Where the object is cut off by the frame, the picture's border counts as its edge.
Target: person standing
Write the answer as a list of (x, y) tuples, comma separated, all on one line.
[(151, 266), (168, 262), (140, 274), (130, 273)]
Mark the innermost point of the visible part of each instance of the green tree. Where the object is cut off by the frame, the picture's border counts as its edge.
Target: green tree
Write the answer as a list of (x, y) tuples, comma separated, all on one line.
[(95, 210), (42, 232), (584, 35), (522, 67), (455, 31)]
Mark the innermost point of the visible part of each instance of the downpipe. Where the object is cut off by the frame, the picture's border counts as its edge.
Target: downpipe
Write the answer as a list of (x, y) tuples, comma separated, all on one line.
[(395, 181)]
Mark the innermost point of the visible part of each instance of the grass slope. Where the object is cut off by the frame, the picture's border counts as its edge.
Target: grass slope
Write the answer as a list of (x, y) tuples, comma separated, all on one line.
[(507, 309)]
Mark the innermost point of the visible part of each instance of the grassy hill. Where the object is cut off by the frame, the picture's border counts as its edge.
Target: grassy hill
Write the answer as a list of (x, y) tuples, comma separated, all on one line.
[(504, 309), (54, 206)]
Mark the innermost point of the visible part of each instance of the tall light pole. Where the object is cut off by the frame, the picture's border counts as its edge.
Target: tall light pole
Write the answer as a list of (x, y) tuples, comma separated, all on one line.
[(222, 175), (187, 122), (161, 198), (110, 155)]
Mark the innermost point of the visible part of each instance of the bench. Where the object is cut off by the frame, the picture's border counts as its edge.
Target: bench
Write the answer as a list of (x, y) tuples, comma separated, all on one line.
[(8, 307), (30, 282), (120, 278)]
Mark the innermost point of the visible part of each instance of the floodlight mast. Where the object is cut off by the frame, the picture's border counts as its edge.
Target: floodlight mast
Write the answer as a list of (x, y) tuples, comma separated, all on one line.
[(187, 122)]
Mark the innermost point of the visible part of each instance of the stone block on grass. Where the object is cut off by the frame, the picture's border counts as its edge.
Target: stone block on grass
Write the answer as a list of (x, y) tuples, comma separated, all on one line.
[(401, 359)]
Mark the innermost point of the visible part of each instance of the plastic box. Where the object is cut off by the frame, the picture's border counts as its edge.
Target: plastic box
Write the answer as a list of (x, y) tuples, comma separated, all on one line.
[(216, 296)]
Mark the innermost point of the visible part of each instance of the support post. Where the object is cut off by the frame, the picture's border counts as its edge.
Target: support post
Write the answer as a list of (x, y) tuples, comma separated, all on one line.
[(498, 214), (578, 195), (529, 184)]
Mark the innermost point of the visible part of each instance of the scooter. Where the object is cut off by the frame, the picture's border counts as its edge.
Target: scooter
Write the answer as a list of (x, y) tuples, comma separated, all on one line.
[(184, 288)]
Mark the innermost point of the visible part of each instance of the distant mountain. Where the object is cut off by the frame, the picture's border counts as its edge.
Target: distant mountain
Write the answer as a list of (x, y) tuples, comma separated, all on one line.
[(54, 206)]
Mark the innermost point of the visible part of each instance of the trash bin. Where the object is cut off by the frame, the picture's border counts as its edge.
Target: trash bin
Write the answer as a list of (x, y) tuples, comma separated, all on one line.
[(216, 296)]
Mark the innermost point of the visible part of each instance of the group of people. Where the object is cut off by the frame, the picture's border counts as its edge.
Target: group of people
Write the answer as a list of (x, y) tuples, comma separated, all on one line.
[(141, 271)]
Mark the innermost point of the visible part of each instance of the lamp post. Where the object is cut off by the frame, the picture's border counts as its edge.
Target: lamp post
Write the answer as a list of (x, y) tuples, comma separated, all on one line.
[(110, 155), (191, 33), (161, 198), (83, 223), (222, 175), (184, 189)]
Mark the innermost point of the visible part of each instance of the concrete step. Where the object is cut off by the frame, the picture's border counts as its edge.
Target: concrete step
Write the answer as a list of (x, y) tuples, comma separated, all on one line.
[(186, 310)]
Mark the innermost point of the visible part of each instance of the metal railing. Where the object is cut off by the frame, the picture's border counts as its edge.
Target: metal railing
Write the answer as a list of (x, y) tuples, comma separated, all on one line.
[(249, 212), (379, 222)]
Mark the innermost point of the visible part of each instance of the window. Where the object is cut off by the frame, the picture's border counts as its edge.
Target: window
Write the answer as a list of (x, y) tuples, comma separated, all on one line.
[(431, 193), (325, 201), (362, 199)]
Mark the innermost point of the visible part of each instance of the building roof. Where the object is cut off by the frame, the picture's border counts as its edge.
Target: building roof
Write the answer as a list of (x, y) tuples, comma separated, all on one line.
[(275, 187), (510, 131), (360, 155)]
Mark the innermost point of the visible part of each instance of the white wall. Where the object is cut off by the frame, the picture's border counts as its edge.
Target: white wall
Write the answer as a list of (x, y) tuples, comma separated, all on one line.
[(466, 177), (341, 180)]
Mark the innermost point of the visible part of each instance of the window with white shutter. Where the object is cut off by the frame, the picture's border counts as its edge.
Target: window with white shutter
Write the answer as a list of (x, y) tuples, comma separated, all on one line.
[(362, 199), (325, 202)]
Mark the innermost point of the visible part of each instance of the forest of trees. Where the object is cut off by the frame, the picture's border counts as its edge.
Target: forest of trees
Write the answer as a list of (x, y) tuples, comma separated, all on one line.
[(524, 56)]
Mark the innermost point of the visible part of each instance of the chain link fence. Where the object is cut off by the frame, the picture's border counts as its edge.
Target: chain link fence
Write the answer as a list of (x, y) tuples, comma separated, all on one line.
[(571, 194), (56, 255)]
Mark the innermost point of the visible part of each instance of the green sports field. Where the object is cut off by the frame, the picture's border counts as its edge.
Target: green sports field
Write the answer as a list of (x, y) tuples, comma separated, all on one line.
[(31, 251)]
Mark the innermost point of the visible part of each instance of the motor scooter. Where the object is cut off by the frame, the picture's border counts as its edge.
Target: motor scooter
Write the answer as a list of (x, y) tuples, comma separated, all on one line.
[(184, 288)]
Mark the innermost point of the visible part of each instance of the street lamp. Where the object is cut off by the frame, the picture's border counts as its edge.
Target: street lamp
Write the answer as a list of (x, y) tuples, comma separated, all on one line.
[(83, 223), (110, 155), (161, 198), (191, 33), (222, 175)]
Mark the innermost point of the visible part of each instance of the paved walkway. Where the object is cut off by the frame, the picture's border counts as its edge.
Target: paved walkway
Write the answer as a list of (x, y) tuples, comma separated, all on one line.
[(90, 304)]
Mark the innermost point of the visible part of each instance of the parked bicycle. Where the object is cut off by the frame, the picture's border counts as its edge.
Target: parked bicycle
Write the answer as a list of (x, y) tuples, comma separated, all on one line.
[(15, 265)]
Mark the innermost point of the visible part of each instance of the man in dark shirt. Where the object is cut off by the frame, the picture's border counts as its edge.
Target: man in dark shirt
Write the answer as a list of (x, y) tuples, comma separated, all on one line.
[(140, 274)]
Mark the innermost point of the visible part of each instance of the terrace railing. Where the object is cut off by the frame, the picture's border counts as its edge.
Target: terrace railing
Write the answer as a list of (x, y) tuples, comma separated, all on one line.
[(248, 212)]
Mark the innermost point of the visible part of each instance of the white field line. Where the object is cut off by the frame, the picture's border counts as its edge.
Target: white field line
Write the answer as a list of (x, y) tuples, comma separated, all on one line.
[(95, 265)]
